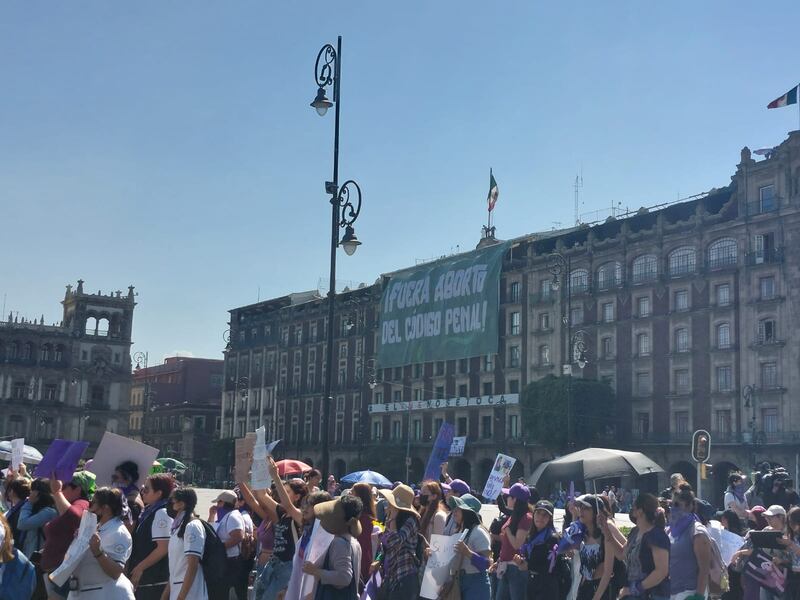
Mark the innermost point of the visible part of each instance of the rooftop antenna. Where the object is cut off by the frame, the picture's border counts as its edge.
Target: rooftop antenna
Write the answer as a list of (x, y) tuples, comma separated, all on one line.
[(578, 186)]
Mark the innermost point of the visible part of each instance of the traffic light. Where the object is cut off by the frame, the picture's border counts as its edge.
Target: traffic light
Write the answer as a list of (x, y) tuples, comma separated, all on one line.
[(706, 470), (701, 445)]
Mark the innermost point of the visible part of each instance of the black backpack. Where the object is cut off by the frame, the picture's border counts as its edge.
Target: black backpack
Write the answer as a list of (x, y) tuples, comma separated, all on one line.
[(214, 559)]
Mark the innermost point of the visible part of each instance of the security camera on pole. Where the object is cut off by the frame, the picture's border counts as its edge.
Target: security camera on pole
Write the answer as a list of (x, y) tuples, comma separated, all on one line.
[(701, 450)]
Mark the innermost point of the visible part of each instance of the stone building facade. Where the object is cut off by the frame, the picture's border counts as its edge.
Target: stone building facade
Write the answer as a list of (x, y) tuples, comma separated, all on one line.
[(687, 311), (70, 380)]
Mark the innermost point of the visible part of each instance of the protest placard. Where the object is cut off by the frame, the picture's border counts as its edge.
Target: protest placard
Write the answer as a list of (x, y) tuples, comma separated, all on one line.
[(502, 468), (114, 450), (457, 447), (302, 586), (76, 549), (437, 571), (61, 458), (260, 478), (17, 448), (440, 452), (729, 544)]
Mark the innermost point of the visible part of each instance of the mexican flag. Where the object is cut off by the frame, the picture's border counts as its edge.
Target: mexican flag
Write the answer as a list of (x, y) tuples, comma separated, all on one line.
[(493, 191), (789, 97)]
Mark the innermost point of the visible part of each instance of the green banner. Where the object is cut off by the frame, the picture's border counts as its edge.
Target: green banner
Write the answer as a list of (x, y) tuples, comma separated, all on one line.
[(442, 311)]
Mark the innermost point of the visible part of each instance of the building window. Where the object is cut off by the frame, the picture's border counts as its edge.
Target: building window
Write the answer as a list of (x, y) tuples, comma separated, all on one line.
[(462, 390), (769, 375), (440, 368), (766, 331), (724, 379), (641, 424), (439, 390), (724, 336), (378, 397), (20, 390), (397, 396), (682, 422), (722, 253), (766, 198), (682, 261), (377, 430), (766, 286), (606, 347), (545, 289), (608, 312), (514, 357), (608, 275), (515, 323), (487, 388), (488, 363), (544, 354), (513, 292), (544, 321), (681, 340), (681, 381), (463, 366), (642, 383), (416, 429), (645, 268), (769, 419), (576, 315), (50, 391), (486, 427), (681, 301), (643, 344), (513, 426), (723, 294), (643, 306), (724, 422), (513, 386), (396, 430), (579, 281), (461, 426)]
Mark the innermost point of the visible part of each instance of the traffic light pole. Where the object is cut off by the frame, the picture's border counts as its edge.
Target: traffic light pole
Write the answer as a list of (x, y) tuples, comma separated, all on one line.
[(701, 451)]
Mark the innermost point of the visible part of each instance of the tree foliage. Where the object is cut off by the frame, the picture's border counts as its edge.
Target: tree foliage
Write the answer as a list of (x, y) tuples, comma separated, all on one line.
[(544, 411)]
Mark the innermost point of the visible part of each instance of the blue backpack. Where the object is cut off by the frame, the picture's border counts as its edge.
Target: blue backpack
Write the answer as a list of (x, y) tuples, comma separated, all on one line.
[(19, 578)]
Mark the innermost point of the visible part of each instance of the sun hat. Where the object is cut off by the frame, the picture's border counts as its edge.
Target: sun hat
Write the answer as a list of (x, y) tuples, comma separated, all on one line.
[(227, 496), (400, 498), (544, 505), (518, 491), (776, 510), (465, 502), (333, 519), (459, 486)]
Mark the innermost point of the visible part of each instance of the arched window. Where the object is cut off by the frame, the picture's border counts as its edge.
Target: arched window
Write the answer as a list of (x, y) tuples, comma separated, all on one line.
[(579, 281), (544, 354), (102, 327), (44, 353), (643, 344), (609, 275), (58, 356), (91, 326), (682, 261), (27, 351), (681, 340), (722, 253), (13, 350), (723, 336), (767, 331), (645, 268)]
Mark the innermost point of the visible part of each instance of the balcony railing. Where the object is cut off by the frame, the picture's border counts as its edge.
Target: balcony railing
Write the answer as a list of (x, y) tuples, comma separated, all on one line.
[(765, 257)]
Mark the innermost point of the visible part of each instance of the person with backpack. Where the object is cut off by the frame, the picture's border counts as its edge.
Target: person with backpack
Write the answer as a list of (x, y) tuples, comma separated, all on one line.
[(17, 574), (398, 558), (645, 552), (690, 549), (186, 549), (472, 551), (338, 575), (534, 556), (230, 528), (148, 566), (512, 583)]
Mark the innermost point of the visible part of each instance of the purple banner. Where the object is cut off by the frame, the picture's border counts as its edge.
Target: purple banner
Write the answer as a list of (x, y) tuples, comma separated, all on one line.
[(440, 452), (61, 458)]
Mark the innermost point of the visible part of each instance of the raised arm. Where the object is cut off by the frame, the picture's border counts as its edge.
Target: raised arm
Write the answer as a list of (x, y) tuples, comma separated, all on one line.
[(263, 507), (286, 502)]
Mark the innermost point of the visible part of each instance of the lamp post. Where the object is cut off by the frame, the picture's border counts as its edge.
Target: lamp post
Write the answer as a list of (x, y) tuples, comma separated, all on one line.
[(345, 207), (141, 359), (561, 267), (77, 379), (748, 392)]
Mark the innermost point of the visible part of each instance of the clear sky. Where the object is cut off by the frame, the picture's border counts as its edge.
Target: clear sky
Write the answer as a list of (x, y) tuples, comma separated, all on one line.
[(170, 145)]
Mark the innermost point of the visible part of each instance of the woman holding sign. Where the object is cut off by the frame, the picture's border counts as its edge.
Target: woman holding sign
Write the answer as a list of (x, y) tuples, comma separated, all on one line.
[(473, 550)]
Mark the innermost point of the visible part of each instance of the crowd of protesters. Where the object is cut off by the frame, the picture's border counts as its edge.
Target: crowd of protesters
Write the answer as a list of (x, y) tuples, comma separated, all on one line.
[(150, 543)]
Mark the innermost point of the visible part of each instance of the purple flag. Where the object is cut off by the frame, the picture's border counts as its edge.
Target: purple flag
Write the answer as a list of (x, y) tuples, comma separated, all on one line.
[(372, 587), (61, 458), (440, 452)]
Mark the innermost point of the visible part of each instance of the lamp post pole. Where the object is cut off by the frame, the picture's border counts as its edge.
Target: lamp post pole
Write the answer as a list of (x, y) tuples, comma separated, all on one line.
[(141, 359), (561, 267), (344, 212), (749, 402)]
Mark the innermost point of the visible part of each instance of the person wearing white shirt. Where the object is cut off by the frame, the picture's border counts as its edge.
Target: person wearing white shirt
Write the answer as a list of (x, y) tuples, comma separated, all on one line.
[(186, 542), (230, 528), (100, 573)]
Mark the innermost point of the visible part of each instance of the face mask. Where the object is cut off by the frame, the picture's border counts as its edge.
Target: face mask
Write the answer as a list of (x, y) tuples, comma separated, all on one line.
[(739, 487), (676, 514), (171, 512), (424, 499)]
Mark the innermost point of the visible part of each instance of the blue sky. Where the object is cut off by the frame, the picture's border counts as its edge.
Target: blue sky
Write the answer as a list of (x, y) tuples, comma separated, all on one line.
[(170, 145)]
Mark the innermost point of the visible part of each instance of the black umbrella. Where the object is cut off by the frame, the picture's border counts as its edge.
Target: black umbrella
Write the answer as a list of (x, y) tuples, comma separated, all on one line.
[(594, 463)]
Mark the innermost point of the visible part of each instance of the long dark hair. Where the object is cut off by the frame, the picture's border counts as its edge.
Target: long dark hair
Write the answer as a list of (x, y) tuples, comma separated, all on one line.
[(188, 496), (45, 499), (110, 497), (436, 495), (364, 492), (648, 504), (469, 520), (402, 517), (520, 509)]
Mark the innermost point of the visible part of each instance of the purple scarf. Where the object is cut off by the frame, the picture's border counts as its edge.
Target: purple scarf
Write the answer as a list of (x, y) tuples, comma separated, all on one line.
[(572, 537), (681, 524), (223, 512)]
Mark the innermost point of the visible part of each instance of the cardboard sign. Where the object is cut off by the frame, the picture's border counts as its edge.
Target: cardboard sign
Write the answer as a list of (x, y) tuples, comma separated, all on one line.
[(437, 571), (61, 458), (440, 452), (457, 447), (76, 549), (244, 456), (17, 448), (260, 478), (114, 450), (502, 468)]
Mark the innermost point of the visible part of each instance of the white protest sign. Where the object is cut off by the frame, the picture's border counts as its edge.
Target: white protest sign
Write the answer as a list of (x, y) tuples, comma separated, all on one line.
[(502, 468), (729, 544), (76, 549), (437, 571), (457, 447), (17, 448), (259, 472), (315, 553), (114, 450)]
